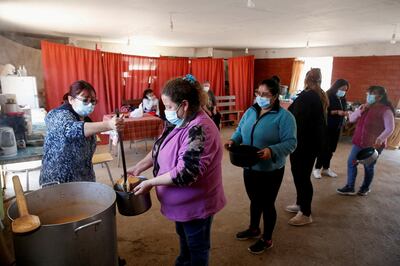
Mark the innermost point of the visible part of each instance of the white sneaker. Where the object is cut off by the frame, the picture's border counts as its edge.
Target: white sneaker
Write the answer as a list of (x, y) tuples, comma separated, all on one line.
[(317, 173), (300, 219), (293, 208), (328, 172)]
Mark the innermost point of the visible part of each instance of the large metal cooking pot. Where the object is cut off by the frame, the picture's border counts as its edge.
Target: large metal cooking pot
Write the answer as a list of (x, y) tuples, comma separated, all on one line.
[(78, 226), (129, 204)]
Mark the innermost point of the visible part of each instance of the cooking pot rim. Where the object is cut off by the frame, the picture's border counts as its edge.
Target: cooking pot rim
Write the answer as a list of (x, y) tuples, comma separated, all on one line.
[(68, 184), (363, 152)]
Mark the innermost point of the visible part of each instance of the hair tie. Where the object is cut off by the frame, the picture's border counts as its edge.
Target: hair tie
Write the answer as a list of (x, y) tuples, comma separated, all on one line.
[(190, 78)]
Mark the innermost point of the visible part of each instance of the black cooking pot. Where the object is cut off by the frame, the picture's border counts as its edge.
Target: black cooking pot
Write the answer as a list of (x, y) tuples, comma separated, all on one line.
[(367, 156), (243, 155), (130, 204)]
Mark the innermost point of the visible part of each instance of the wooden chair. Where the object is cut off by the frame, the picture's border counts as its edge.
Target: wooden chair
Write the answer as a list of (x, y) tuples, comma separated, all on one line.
[(228, 104), (104, 159), (132, 102)]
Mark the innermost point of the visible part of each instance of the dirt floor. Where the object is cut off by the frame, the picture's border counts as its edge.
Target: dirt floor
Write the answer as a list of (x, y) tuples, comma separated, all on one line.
[(347, 230)]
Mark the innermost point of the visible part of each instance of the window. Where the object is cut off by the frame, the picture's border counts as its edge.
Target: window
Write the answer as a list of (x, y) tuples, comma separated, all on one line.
[(323, 63)]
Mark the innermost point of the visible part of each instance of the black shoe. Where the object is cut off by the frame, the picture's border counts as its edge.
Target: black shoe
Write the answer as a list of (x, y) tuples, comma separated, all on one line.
[(346, 190), (249, 233), (260, 246), (363, 191)]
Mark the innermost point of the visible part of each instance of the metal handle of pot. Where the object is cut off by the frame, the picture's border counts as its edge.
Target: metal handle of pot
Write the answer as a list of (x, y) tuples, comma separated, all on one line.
[(87, 225)]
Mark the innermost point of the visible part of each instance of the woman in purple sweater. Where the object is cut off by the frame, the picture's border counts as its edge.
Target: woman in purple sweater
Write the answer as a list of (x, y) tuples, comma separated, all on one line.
[(375, 123), (186, 162)]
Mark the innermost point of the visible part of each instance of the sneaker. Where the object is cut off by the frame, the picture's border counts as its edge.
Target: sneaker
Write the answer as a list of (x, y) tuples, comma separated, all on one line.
[(260, 246), (293, 208), (300, 219), (317, 173), (247, 234), (363, 191), (328, 172), (346, 190)]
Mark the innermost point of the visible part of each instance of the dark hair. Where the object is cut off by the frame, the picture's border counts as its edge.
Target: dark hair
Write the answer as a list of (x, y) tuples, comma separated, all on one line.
[(77, 87), (181, 89), (336, 85), (146, 91), (273, 88), (276, 78), (384, 97)]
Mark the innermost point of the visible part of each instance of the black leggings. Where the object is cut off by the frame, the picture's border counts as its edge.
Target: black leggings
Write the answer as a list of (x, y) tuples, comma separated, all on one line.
[(262, 189), (302, 163), (324, 160)]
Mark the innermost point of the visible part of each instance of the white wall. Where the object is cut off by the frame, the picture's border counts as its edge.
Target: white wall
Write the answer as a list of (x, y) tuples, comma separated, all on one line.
[(155, 51), (353, 50)]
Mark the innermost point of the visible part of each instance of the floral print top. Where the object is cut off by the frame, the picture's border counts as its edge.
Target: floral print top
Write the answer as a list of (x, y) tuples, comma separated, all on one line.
[(67, 152)]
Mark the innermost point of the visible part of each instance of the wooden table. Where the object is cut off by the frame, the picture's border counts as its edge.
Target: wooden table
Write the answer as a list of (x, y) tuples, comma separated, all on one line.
[(140, 128)]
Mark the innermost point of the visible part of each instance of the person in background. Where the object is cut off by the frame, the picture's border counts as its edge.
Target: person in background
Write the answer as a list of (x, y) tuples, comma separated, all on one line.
[(70, 141), (336, 115), (150, 102), (309, 109), (375, 123), (211, 106), (187, 169), (272, 129)]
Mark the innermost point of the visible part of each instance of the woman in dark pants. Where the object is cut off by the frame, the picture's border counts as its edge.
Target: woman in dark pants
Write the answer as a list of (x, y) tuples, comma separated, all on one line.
[(309, 109), (272, 129), (336, 114)]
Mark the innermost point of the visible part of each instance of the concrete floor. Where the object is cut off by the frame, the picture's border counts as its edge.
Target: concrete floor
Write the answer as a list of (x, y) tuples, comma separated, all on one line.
[(346, 230)]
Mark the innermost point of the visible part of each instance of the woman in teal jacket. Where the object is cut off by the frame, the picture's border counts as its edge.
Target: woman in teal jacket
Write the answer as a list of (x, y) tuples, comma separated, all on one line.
[(272, 129)]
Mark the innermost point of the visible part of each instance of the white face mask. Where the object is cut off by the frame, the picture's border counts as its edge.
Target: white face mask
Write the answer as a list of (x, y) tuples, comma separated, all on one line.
[(206, 88), (83, 109), (173, 118)]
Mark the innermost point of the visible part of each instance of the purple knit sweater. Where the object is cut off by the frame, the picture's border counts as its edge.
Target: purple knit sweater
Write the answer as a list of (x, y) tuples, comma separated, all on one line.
[(192, 155)]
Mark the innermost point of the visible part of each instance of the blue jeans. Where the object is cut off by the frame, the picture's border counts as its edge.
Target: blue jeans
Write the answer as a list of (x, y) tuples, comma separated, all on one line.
[(352, 170), (194, 238)]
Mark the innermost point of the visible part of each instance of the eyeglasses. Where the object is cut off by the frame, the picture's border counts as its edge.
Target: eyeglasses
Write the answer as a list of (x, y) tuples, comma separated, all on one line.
[(86, 101), (263, 94)]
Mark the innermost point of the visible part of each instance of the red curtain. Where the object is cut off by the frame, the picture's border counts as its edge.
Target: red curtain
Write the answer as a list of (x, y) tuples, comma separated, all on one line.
[(169, 68), (140, 73), (113, 80), (211, 69), (241, 79), (63, 65)]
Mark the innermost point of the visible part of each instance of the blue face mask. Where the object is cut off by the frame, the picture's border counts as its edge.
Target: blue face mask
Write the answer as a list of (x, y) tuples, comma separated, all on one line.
[(173, 118), (263, 102), (340, 93), (83, 109), (371, 98)]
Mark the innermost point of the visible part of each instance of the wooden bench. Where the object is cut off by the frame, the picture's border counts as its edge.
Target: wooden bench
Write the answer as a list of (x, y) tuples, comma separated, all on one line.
[(226, 107)]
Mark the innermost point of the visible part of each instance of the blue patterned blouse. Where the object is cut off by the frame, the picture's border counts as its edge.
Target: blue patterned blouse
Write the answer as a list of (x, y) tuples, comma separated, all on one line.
[(67, 152)]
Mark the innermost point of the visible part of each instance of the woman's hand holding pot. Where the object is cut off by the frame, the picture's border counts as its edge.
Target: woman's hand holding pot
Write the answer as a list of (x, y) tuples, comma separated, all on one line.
[(143, 188), (229, 144), (265, 154), (134, 170)]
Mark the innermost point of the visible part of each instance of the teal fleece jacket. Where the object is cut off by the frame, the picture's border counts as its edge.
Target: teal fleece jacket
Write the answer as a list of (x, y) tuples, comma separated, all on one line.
[(275, 130)]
